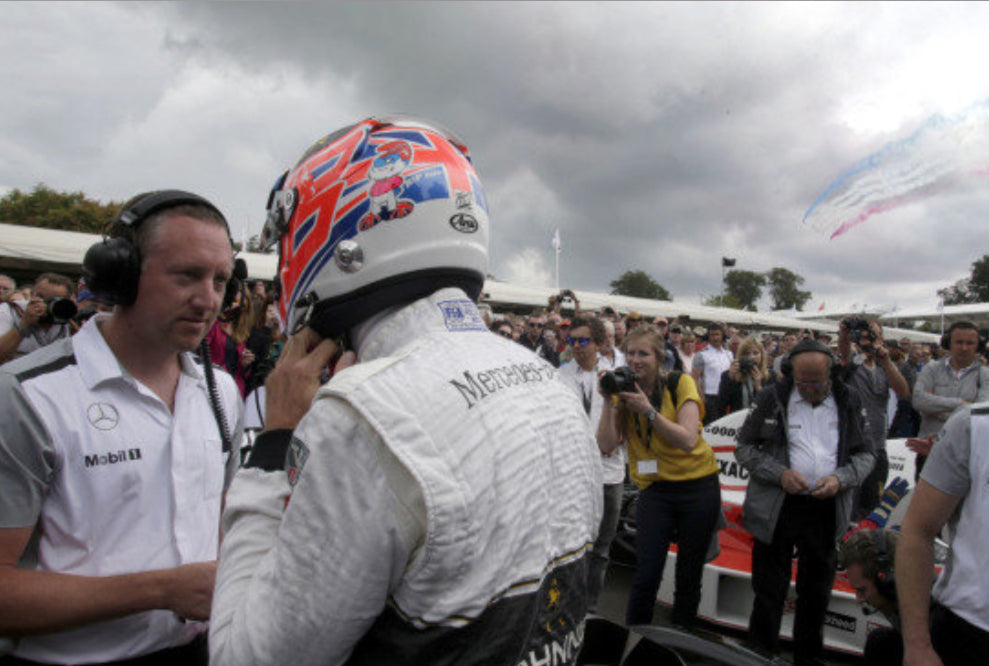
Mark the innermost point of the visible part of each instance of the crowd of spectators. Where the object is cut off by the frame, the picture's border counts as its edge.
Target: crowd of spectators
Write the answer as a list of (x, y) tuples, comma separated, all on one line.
[(245, 339), (909, 389)]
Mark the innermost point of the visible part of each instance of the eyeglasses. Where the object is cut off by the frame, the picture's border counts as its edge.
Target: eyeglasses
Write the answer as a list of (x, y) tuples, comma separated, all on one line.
[(582, 342), (504, 333)]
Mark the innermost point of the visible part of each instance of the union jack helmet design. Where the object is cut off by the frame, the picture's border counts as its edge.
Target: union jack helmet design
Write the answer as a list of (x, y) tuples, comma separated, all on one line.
[(382, 212)]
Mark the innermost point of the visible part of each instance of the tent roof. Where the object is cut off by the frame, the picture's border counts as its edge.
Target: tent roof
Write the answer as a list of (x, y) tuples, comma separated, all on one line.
[(36, 249)]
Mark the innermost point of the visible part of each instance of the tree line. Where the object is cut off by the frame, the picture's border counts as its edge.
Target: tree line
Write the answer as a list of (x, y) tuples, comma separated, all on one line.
[(48, 208), (742, 289)]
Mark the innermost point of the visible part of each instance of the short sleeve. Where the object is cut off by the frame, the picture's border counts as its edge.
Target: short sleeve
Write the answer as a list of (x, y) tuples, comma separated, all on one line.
[(947, 466), (687, 391), (27, 457)]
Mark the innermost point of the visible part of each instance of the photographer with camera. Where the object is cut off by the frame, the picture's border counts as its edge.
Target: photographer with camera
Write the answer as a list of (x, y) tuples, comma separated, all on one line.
[(746, 377), (29, 325), (565, 299), (871, 373), (659, 415)]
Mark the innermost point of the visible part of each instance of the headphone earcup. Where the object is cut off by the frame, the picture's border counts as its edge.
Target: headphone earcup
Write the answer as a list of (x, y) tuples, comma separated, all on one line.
[(112, 268), (885, 578), (886, 583)]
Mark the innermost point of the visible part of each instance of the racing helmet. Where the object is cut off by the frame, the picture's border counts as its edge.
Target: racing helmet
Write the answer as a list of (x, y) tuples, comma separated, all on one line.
[(379, 213)]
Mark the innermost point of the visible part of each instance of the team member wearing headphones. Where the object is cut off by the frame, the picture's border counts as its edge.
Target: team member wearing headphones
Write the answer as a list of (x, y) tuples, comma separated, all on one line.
[(947, 384), (867, 558), (111, 460), (805, 447)]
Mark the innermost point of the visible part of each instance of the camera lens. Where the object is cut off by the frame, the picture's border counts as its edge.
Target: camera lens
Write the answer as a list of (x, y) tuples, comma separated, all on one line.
[(61, 310)]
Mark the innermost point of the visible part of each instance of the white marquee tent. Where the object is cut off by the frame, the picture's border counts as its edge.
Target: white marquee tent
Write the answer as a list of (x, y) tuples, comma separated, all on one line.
[(35, 249)]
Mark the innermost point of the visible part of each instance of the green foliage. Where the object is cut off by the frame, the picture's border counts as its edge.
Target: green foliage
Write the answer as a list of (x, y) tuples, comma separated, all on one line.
[(722, 301), (254, 245), (973, 289), (640, 285), (784, 289), (743, 288), (957, 293), (48, 208)]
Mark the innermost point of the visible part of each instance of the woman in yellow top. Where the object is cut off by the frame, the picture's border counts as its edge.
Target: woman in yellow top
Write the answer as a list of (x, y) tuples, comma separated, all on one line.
[(675, 470)]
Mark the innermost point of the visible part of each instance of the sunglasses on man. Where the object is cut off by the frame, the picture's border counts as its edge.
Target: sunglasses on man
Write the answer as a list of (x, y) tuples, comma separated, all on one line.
[(578, 342)]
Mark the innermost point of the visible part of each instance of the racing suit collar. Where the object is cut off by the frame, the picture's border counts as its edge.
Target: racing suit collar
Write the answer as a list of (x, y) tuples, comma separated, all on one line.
[(388, 331)]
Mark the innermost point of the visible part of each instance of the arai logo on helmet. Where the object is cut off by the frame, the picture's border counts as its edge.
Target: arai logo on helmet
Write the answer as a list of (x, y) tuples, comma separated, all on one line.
[(464, 223)]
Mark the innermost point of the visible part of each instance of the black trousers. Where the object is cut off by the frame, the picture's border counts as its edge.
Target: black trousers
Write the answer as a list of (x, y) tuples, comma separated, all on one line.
[(710, 407), (957, 641), (806, 524), (883, 647), (195, 653), (684, 511)]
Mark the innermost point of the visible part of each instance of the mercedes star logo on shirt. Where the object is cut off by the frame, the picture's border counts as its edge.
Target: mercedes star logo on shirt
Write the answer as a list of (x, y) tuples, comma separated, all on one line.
[(103, 415)]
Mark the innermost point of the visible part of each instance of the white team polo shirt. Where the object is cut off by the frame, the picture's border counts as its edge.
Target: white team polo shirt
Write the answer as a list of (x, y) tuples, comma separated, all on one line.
[(134, 487), (812, 433), (585, 384), (715, 362)]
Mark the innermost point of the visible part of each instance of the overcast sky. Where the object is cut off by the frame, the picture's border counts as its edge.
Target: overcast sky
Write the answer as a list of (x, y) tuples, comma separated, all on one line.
[(657, 136)]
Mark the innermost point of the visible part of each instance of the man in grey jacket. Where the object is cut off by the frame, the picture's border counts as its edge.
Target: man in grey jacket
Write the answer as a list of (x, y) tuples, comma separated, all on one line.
[(805, 447), (947, 384)]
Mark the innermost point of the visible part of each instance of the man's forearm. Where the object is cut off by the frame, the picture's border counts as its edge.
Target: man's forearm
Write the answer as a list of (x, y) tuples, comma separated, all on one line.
[(934, 405), (896, 380), (698, 374), (914, 575), (41, 601), (607, 435), (9, 342)]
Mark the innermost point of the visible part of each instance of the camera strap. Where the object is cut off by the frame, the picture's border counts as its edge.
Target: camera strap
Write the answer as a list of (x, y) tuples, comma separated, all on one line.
[(670, 384)]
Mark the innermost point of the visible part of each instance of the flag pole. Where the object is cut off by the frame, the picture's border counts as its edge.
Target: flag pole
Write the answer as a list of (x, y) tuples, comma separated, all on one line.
[(557, 246)]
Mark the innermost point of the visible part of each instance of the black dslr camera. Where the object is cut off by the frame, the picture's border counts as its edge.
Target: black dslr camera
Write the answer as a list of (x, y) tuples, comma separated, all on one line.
[(59, 310), (859, 327), (621, 380), (745, 366)]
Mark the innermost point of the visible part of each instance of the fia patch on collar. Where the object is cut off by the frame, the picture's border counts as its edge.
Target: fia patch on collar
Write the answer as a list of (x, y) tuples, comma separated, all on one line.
[(461, 315), (295, 460)]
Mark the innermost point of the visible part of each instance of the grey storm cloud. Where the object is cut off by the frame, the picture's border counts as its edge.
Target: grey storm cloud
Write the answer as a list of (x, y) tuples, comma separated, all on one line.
[(655, 136)]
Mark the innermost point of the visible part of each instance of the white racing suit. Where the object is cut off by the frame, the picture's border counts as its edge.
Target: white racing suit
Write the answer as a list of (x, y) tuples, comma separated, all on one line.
[(447, 491)]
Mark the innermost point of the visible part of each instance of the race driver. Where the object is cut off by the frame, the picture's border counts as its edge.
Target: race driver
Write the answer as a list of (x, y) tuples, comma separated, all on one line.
[(437, 501)]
